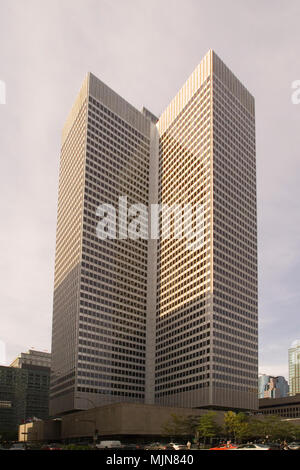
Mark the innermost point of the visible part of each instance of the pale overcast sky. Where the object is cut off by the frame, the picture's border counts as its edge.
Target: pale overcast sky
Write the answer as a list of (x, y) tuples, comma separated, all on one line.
[(144, 50)]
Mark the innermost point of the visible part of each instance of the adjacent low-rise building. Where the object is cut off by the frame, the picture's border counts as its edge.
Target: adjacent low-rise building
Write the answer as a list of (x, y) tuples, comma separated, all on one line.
[(32, 358), (24, 390), (122, 421), (286, 407)]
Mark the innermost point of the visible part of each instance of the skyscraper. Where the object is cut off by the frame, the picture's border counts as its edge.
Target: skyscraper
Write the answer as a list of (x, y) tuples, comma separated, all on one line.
[(100, 294), (272, 387), (294, 367), (207, 298), (157, 320)]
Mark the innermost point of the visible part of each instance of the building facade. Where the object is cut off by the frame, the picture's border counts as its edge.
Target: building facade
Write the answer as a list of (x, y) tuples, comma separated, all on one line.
[(24, 390), (287, 407), (131, 422), (32, 358), (161, 320), (100, 295), (294, 367), (206, 352), (272, 387)]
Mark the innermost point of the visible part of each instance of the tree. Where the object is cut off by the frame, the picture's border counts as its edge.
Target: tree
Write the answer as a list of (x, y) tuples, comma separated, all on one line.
[(240, 426), (207, 427), (273, 428), (181, 426), (192, 425), (230, 423), (176, 426)]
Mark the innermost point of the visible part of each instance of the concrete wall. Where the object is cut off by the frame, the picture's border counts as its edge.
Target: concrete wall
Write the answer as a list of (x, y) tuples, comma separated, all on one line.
[(120, 419), (49, 430), (124, 419)]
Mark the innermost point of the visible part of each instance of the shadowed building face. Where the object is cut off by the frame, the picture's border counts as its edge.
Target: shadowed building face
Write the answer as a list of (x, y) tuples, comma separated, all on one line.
[(99, 317)]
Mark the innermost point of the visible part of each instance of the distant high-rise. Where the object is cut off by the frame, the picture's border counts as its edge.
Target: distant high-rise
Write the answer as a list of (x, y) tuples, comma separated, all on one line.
[(154, 320), (272, 387), (294, 367)]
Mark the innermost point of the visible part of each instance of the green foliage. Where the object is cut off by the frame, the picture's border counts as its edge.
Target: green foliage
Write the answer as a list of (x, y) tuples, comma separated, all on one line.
[(239, 427), (242, 427), (179, 426), (207, 427), (230, 423), (273, 427), (183, 426)]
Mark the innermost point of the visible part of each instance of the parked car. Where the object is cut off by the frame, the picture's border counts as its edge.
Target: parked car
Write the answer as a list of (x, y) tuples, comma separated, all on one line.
[(253, 447), (109, 445), (294, 446), (273, 445), (225, 447), (131, 447), (18, 446), (156, 446), (53, 446), (175, 446)]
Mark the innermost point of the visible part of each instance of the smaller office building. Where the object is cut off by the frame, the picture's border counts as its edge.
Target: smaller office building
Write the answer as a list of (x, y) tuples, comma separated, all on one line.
[(24, 390)]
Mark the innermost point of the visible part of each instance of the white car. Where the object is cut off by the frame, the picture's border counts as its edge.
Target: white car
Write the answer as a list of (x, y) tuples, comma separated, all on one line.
[(18, 446), (177, 446), (109, 445), (252, 447), (294, 446)]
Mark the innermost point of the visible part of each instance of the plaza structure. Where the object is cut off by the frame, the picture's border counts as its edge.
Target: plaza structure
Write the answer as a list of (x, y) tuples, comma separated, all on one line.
[(156, 321)]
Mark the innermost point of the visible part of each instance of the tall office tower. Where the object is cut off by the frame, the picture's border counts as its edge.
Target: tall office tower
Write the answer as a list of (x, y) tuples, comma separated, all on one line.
[(169, 321), (100, 294), (206, 328), (294, 367)]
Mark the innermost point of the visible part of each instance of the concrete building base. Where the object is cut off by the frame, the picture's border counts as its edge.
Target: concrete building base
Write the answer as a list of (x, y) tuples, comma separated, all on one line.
[(118, 420)]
